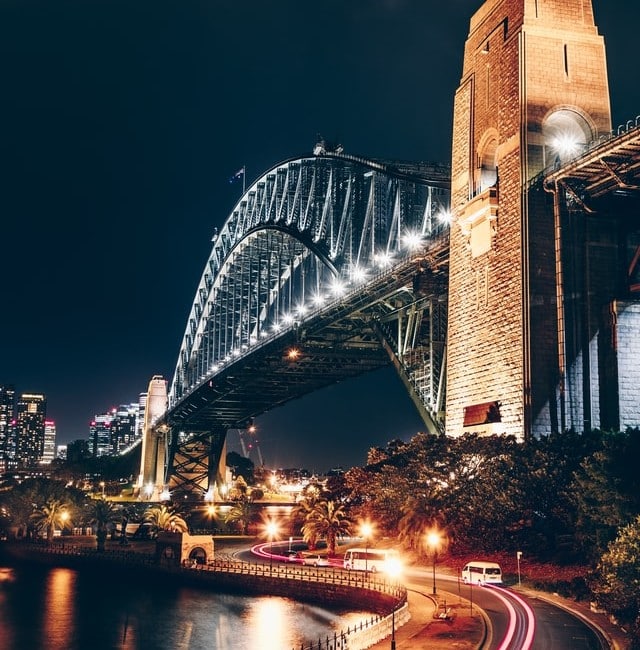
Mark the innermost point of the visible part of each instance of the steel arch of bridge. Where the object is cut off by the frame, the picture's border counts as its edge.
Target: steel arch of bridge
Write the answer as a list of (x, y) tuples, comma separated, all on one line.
[(329, 248)]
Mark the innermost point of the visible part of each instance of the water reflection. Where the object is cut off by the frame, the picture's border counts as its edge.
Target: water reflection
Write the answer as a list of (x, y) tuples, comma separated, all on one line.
[(61, 609), (59, 605)]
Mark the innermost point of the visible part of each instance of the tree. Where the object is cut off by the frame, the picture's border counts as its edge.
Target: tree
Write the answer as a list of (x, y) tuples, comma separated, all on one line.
[(102, 513), (617, 578), (327, 520), (30, 496), (310, 496), (240, 514), (164, 518), (607, 490), (52, 513)]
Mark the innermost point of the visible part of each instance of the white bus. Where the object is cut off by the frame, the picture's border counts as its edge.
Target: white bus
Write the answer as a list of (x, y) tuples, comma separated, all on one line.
[(482, 573), (372, 559)]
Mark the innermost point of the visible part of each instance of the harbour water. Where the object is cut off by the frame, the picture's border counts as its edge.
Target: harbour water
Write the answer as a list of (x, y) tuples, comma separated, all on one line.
[(44, 608)]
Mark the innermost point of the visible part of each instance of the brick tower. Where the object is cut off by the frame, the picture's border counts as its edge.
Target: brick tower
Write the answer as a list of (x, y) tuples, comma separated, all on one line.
[(534, 87)]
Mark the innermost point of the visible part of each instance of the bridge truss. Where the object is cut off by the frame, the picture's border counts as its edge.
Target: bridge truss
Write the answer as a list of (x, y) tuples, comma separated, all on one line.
[(329, 266)]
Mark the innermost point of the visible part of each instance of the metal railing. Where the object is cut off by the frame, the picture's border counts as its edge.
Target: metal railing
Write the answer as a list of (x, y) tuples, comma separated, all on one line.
[(377, 626)]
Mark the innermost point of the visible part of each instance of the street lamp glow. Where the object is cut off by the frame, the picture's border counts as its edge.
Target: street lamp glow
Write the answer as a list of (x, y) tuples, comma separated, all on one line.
[(383, 260), (412, 240), (271, 529), (358, 274), (366, 530), (445, 216), (318, 299), (338, 288), (434, 542), (566, 144)]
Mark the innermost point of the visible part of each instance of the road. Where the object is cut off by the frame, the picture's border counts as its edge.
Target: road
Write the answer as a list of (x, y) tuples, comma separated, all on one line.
[(514, 621), (517, 622)]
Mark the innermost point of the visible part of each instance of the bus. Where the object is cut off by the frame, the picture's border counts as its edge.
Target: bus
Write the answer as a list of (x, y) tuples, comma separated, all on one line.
[(481, 573), (372, 559)]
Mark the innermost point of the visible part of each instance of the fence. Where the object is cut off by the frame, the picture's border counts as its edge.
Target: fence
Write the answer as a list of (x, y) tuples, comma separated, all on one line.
[(361, 636)]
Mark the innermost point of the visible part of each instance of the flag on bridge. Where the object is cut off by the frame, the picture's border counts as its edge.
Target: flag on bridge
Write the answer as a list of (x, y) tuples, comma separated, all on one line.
[(237, 175)]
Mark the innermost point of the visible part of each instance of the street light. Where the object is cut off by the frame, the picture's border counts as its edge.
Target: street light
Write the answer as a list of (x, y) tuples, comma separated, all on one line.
[(393, 571), (434, 540), (64, 518), (272, 531), (102, 486), (393, 628), (365, 530)]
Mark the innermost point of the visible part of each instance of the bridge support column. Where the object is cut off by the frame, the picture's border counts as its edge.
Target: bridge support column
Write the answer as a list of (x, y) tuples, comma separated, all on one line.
[(150, 483), (197, 462), (534, 77)]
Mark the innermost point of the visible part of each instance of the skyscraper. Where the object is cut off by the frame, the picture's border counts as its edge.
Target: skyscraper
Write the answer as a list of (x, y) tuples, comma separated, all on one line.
[(100, 434), (124, 427), (7, 437), (49, 450), (30, 419)]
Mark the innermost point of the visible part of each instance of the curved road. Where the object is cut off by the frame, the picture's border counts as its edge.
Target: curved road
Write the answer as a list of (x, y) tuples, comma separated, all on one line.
[(514, 621), (519, 622)]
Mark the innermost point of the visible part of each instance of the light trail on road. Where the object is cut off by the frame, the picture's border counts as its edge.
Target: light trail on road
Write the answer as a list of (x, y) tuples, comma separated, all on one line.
[(522, 623)]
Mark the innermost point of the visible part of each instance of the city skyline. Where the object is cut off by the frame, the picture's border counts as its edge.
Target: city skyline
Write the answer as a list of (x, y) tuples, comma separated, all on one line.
[(123, 126)]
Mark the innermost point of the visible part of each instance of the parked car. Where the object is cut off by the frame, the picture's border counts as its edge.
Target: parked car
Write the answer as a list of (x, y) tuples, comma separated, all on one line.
[(294, 556), (315, 560)]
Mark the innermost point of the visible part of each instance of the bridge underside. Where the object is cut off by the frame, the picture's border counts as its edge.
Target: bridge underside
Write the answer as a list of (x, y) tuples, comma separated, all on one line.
[(597, 203), (390, 323)]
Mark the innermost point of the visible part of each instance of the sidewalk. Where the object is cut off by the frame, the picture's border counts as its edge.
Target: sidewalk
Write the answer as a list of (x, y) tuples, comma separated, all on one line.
[(424, 632)]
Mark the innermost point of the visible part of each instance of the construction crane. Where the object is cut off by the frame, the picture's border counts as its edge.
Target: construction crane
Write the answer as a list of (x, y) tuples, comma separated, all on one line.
[(248, 444)]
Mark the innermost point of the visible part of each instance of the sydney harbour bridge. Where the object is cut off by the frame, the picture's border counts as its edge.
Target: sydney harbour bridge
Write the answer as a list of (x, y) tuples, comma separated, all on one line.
[(331, 265), (328, 267)]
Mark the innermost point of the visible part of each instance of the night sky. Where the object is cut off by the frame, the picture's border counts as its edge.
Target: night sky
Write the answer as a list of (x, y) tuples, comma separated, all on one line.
[(121, 124)]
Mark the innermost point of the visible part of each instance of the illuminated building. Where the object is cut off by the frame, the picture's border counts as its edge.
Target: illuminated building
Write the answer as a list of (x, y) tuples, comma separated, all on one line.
[(49, 449), (124, 427), (31, 413), (100, 434), (7, 437)]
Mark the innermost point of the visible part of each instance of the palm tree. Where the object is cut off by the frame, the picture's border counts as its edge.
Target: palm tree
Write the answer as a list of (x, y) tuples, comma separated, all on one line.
[(53, 512), (102, 514), (163, 518), (240, 513), (327, 520), (311, 495)]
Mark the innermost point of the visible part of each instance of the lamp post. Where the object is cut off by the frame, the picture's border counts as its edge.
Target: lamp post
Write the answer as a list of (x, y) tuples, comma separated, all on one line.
[(102, 486), (366, 530), (272, 530), (393, 628), (64, 518), (518, 556), (393, 572), (433, 542)]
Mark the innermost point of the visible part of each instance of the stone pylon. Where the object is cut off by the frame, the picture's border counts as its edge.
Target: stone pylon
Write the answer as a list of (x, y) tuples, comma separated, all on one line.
[(152, 461), (534, 89)]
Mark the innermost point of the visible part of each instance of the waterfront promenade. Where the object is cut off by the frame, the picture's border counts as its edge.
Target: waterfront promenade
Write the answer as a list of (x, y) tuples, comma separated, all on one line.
[(418, 625)]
